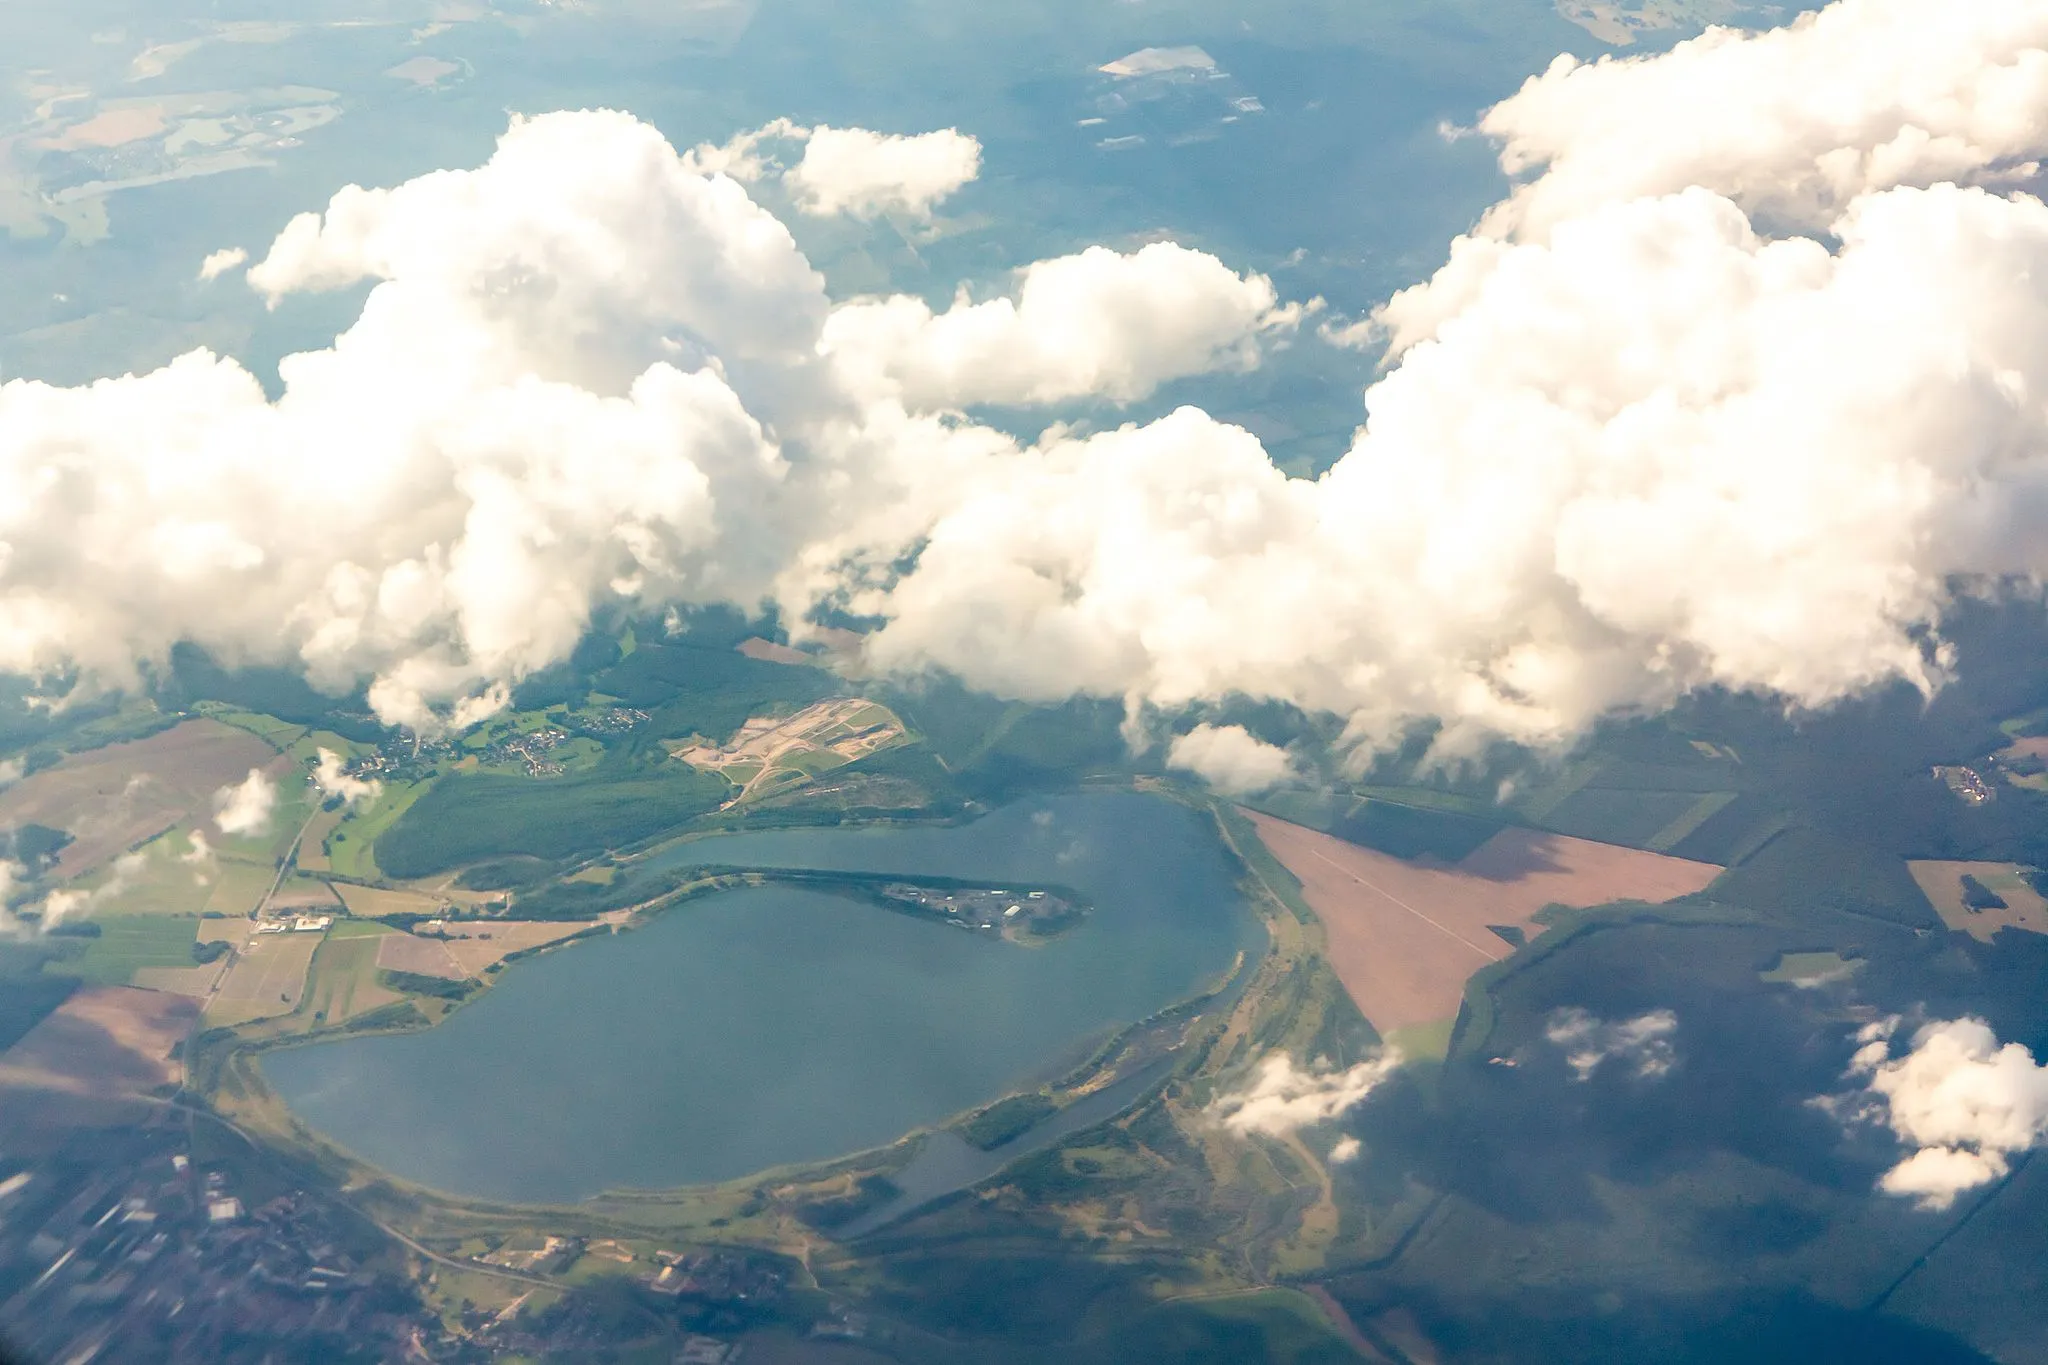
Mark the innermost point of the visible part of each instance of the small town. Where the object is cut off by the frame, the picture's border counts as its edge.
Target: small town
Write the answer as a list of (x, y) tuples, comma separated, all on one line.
[(122, 1247)]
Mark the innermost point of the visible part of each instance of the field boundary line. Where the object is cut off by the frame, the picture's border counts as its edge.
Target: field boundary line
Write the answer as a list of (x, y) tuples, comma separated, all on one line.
[(1382, 891)]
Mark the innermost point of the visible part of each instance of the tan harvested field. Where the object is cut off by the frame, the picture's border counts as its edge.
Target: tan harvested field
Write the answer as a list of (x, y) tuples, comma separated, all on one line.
[(312, 855), (1942, 884), (476, 945), (231, 931), (345, 980), (370, 902), (268, 979), (306, 893), (196, 982), (238, 887), (418, 956), (112, 799), (1404, 937), (104, 1041)]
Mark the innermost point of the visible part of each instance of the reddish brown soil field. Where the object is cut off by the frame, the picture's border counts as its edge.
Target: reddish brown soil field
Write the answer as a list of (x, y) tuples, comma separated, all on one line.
[(1405, 936), (114, 798), (767, 651)]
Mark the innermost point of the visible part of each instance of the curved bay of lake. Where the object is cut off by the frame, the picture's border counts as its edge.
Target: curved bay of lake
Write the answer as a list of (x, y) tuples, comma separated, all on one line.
[(771, 1025)]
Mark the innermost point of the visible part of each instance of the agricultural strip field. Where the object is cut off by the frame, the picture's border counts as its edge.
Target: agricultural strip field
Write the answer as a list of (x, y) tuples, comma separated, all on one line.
[(196, 981), (160, 878), (104, 1040), (313, 847), (371, 902), (112, 799), (238, 886), (308, 894), (345, 978), (269, 978), (475, 946), (418, 957), (279, 734), (127, 943), (347, 849), (1942, 882), (1405, 936)]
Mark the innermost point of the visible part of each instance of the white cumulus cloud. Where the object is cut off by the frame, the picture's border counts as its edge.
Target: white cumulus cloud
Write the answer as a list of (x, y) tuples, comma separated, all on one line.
[(1641, 1045), (1743, 379), (245, 808), (332, 778), (856, 172), (1281, 1099), (1965, 1102), (1794, 123), (589, 373), (1655, 446), (221, 262), (865, 174), (1100, 323), (1230, 758)]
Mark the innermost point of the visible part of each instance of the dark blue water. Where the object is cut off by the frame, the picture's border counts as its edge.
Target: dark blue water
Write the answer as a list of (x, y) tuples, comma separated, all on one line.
[(772, 1025)]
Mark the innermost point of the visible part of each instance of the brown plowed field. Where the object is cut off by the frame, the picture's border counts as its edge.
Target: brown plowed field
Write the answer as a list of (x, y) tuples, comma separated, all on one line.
[(105, 1041), (113, 798), (1404, 937)]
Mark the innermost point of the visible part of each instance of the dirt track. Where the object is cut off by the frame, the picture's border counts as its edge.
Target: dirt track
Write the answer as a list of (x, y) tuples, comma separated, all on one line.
[(1404, 937)]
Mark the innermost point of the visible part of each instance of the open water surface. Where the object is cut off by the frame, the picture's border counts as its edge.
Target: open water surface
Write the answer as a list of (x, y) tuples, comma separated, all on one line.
[(771, 1025)]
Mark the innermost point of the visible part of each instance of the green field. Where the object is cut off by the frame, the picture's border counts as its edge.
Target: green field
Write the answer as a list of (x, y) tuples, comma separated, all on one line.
[(153, 881), (466, 817), (279, 734), (351, 849), (127, 942), (344, 981)]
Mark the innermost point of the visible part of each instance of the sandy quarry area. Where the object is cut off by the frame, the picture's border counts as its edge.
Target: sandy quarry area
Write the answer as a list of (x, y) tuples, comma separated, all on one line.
[(774, 754), (1404, 937)]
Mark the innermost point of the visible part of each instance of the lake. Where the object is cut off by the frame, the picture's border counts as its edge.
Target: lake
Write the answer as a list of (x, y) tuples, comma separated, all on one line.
[(769, 1025)]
